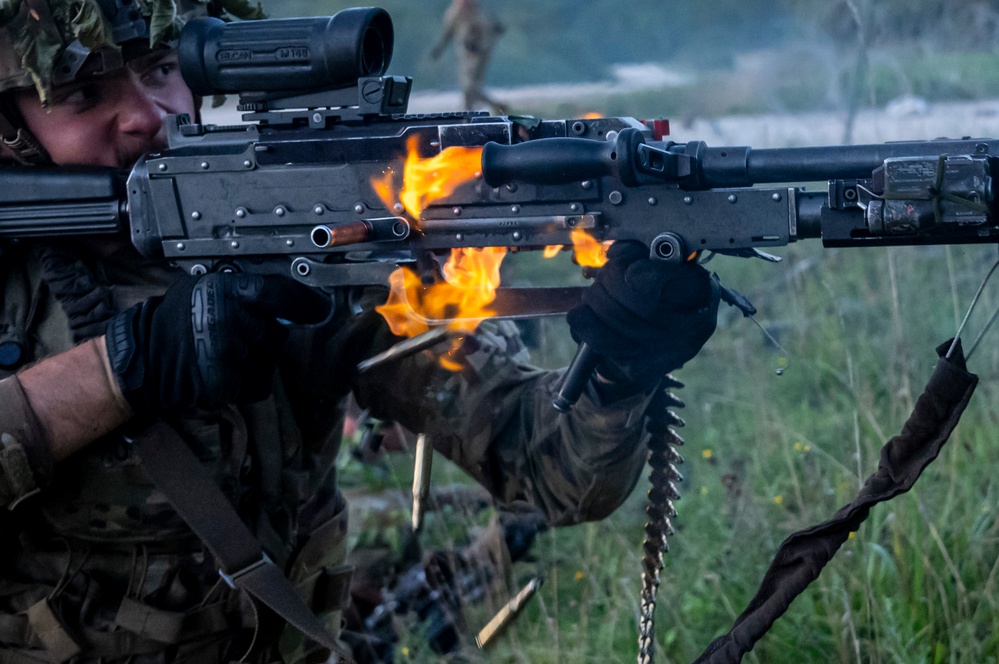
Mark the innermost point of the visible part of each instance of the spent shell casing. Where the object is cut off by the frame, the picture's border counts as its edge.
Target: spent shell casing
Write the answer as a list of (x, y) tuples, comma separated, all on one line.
[(421, 478), (507, 614), (406, 348)]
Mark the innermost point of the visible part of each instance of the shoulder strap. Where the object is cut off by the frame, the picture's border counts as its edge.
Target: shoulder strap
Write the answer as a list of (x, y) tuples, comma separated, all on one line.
[(175, 470), (86, 300)]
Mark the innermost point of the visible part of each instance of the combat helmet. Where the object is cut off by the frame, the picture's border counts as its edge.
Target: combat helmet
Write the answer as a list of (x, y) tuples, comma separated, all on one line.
[(47, 42)]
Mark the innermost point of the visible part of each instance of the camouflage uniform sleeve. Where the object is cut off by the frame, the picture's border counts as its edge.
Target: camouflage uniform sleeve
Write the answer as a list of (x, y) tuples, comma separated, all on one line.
[(494, 418), (25, 458)]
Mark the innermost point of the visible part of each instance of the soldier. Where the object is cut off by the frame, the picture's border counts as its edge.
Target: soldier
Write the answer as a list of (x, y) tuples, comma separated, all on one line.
[(474, 31), (104, 352)]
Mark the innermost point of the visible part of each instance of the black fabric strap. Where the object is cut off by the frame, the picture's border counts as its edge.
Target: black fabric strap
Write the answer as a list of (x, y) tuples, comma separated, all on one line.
[(175, 470), (802, 556), (87, 302)]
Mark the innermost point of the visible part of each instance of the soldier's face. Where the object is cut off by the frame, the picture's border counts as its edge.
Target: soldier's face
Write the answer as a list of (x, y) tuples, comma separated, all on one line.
[(113, 119)]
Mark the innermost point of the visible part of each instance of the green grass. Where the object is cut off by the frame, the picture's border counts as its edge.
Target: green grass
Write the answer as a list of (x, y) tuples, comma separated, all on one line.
[(799, 81), (935, 76), (767, 455)]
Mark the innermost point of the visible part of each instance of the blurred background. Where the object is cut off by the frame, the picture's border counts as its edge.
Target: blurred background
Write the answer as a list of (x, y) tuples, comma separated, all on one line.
[(766, 454), (701, 62)]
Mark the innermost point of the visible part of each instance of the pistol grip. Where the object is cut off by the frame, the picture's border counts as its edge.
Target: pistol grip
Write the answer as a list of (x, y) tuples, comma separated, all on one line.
[(583, 363)]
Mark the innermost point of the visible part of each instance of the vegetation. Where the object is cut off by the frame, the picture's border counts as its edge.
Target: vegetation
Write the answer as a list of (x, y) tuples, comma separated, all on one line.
[(559, 40), (768, 454), (748, 56)]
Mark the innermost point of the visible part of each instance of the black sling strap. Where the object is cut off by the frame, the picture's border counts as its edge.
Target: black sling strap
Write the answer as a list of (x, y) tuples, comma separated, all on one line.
[(802, 556), (175, 470)]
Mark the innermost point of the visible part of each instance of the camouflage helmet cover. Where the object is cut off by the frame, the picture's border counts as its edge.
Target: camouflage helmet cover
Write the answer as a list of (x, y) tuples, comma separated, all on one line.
[(39, 37)]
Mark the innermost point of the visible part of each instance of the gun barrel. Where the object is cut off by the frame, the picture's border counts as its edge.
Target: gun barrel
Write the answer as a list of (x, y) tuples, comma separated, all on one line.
[(695, 166), (744, 167), (35, 202)]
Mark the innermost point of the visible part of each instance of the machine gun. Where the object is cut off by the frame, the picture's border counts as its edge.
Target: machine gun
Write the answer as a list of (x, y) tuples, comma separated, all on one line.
[(289, 192)]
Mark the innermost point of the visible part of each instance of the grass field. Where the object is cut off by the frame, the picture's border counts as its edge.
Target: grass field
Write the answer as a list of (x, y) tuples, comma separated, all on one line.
[(768, 454)]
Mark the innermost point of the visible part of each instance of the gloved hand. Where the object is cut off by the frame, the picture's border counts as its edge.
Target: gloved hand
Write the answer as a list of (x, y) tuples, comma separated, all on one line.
[(645, 317), (207, 341)]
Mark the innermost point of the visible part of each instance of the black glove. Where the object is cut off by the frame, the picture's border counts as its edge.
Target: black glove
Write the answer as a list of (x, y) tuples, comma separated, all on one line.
[(645, 317), (208, 341)]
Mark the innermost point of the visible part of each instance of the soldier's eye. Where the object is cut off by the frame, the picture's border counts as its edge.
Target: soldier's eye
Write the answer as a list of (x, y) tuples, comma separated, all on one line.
[(161, 72)]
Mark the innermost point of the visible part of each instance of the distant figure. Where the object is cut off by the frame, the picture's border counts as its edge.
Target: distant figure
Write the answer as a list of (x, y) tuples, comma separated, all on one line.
[(475, 31)]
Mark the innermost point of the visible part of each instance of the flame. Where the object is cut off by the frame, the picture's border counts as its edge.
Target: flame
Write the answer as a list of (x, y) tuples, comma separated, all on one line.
[(592, 116), (384, 186), (588, 251), (425, 180), (471, 277)]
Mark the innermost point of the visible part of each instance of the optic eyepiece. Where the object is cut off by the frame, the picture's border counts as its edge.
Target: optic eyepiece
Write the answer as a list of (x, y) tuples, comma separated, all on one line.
[(294, 54)]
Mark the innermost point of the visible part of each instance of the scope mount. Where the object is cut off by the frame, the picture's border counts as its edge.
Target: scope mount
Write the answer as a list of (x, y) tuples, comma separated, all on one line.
[(372, 96)]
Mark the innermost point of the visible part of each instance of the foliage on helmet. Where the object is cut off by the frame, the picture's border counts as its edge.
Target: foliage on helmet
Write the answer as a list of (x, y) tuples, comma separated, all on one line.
[(244, 9), (35, 33)]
